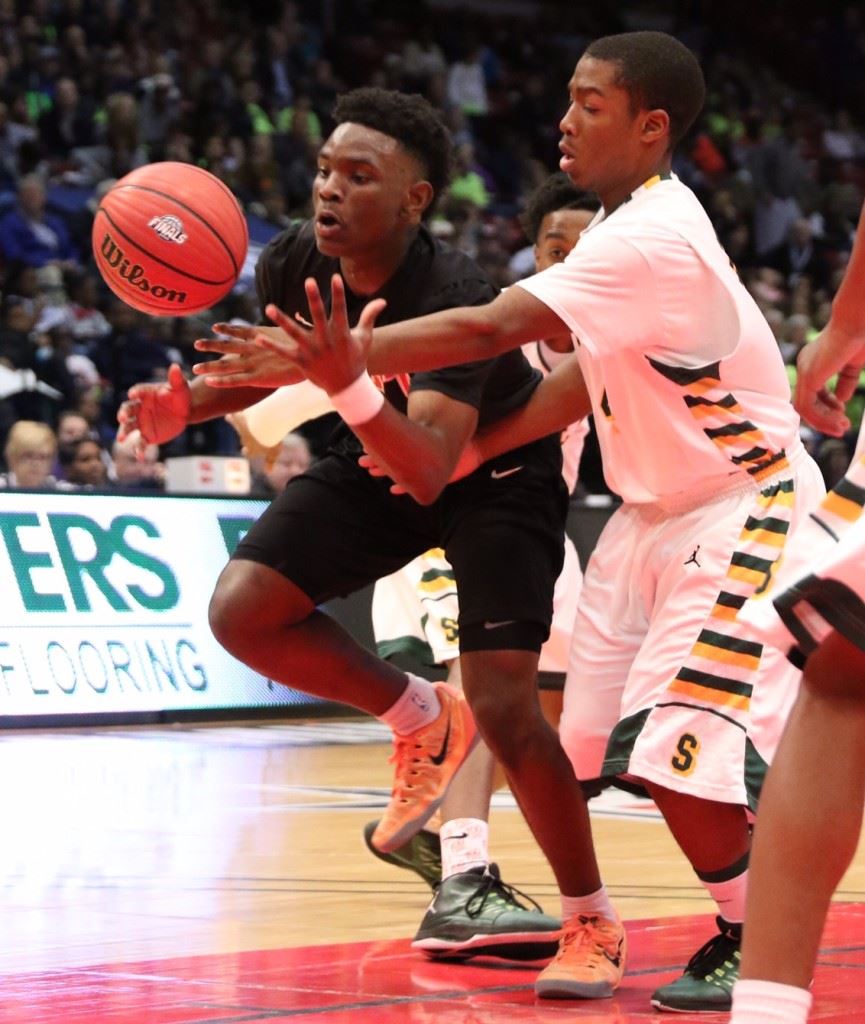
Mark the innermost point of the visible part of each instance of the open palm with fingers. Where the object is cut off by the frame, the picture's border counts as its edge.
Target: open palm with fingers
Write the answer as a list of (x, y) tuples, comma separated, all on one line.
[(242, 362), (329, 353)]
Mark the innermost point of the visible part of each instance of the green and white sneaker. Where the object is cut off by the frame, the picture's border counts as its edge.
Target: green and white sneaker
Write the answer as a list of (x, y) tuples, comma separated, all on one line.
[(421, 854), (476, 914), (707, 984)]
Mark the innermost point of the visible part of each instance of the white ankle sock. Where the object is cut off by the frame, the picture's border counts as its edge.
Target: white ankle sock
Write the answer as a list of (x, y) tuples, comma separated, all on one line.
[(465, 845), (730, 897), (595, 903), (417, 706), (768, 1002)]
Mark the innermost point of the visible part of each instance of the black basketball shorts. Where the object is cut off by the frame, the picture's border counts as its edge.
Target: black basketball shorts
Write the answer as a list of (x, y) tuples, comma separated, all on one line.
[(336, 529)]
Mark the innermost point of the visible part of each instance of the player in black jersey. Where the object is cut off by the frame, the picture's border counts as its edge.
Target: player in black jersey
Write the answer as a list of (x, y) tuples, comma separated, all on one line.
[(336, 529)]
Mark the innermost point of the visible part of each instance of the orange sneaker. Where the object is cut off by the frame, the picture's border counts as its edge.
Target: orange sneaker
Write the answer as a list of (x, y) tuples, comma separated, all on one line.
[(590, 962), (426, 761)]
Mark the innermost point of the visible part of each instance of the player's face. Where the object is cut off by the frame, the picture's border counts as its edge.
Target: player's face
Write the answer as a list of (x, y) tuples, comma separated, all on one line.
[(601, 137), (364, 191), (558, 234)]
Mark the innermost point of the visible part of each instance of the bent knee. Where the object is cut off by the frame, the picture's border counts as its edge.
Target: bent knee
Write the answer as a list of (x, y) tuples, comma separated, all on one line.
[(250, 599), (585, 744)]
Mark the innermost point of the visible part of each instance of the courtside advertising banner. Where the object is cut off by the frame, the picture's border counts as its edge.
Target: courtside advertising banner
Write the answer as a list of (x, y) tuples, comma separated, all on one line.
[(104, 605)]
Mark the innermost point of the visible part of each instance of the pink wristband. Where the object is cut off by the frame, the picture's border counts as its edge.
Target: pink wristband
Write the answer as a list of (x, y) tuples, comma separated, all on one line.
[(359, 402)]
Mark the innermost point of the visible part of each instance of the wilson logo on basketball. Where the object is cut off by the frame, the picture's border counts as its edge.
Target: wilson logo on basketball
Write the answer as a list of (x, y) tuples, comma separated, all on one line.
[(168, 228), (133, 273)]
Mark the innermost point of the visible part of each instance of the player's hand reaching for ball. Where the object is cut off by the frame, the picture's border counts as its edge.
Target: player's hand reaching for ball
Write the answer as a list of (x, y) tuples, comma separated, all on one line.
[(158, 411), (242, 363), (329, 353)]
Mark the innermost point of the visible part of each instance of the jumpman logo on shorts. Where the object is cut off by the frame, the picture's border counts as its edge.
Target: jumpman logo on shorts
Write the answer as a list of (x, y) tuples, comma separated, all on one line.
[(693, 558)]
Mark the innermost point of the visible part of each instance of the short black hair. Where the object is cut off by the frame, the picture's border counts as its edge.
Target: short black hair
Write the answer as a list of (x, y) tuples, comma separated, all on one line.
[(556, 193), (657, 72), (66, 453), (408, 118)]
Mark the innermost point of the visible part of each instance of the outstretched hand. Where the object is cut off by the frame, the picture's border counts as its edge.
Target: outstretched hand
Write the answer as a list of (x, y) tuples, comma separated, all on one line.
[(470, 459), (329, 353), (817, 364), (158, 411), (242, 363)]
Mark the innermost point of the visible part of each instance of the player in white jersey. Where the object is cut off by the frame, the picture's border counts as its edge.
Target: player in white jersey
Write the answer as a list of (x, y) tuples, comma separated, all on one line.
[(810, 818), (699, 438), (415, 612)]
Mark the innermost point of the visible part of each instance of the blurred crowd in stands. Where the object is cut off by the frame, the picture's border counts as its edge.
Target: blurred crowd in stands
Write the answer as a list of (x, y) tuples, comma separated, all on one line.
[(90, 89)]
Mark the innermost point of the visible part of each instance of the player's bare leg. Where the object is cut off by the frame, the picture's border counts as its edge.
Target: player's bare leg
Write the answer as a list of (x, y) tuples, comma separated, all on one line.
[(474, 912), (501, 688), (270, 624), (806, 834), (715, 837)]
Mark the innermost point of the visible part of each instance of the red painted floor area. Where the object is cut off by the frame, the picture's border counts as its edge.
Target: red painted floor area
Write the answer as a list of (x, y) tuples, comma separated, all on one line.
[(385, 983)]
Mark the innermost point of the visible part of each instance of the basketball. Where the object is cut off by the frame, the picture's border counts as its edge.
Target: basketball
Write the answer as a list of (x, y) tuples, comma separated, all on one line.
[(170, 239)]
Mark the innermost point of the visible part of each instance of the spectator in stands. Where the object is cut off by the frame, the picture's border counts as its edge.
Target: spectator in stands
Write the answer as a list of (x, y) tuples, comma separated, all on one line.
[(71, 427), (466, 83), (17, 350), (158, 111), (272, 208), (799, 254), (294, 458), (129, 353), (779, 175), (467, 183), (12, 136), (67, 125), (80, 367), (260, 173), (84, 465), (119, 151), (304, 117), (137, 470), (842, 141), (84, 318), (29, 454), (32, 236)]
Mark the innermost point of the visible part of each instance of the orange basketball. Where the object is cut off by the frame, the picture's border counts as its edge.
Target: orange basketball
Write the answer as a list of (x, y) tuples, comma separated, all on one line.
[(170, 239)]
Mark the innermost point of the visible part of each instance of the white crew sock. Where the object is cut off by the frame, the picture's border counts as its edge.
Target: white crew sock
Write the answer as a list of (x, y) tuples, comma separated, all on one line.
[(595, 903), (418, 705), (768, 1002), (730, 897), (465, 845)]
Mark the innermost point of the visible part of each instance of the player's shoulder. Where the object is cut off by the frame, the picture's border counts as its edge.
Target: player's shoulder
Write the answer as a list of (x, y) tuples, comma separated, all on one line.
[(662, 212), (299, 235), (452, 276), (287, 260)]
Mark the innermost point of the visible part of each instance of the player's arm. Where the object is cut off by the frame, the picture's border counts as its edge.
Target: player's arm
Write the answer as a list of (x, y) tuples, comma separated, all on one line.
[(447, 338), (162, 411), (419, 451), (839, 349), (560, 399), (463, 334)]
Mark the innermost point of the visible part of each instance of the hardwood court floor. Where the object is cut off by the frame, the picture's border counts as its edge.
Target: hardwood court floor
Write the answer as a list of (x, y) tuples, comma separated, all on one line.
[(182, 875)]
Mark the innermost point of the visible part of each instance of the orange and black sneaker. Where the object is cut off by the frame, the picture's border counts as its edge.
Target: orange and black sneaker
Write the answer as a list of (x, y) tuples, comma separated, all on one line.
[(590, 962), (426, 761)]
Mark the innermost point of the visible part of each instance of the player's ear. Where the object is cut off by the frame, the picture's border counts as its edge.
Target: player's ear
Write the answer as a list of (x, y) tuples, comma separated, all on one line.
[(656, 126), (417, 199)]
